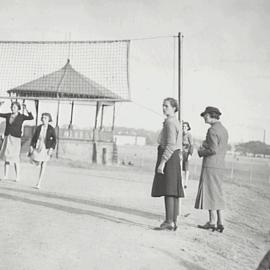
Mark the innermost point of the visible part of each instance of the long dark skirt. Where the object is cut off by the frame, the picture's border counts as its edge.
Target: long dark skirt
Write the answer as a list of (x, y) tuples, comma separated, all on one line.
[(169, 183)]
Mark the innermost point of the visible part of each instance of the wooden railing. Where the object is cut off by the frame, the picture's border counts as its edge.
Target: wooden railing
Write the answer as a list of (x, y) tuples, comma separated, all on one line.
[(75, 134)]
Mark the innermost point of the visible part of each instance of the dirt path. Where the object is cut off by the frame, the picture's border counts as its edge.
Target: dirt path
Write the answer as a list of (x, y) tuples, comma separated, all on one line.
[(104, 219)]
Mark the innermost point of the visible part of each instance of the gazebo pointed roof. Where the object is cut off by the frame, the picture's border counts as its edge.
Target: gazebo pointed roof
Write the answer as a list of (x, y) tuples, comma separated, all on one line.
[(64, 83)]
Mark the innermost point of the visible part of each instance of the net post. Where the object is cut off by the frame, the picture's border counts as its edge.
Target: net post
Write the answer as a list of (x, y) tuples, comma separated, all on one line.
[(180, 77), (180, 99)]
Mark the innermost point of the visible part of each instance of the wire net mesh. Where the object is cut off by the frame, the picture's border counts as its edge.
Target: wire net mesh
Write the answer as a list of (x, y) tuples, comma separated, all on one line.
[(72, 69), (141, 70)]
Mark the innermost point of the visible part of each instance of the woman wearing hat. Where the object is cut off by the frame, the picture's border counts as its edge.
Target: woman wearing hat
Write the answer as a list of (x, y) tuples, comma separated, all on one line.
[(167, 181), (11, 147), (187, 151), (42, 144), (213, 151)]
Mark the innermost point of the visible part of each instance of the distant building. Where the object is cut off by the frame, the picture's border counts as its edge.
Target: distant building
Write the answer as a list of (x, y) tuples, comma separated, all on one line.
[(129, 140)]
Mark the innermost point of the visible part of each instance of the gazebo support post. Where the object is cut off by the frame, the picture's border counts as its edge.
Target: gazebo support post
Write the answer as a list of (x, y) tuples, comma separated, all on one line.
[(96, 119), (102, 115), (113, 121), (71, 116), (115, 149), (94, 154), (36, 107), (97, 111), (23, 102), (57, 128)]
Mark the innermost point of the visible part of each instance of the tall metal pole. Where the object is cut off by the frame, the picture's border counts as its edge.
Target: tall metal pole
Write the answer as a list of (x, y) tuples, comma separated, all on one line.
[(180, 98), (180, 79)]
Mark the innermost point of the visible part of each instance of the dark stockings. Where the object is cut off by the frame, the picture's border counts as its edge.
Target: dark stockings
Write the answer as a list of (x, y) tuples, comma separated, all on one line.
[(171, 208)]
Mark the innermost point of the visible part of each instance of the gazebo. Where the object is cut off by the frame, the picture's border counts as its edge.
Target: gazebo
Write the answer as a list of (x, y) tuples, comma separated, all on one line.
[(67, 84)]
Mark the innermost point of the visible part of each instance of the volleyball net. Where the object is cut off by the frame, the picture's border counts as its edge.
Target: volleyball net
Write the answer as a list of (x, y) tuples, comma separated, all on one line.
[(143, 71), (65, 69)]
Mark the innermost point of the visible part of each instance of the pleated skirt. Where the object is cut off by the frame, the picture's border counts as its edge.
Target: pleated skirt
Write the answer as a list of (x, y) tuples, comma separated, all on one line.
[(40, 155), (169, 183)]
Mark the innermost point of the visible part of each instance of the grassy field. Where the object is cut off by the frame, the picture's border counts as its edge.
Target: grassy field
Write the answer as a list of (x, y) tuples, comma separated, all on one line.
[(240, 169)]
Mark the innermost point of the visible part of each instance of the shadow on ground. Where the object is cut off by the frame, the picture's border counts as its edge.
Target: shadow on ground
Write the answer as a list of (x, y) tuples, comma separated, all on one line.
[(75, 210)]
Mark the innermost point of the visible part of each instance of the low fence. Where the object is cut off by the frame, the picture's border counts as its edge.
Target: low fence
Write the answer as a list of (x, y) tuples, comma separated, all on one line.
[(240, 170), (76, 134), (82, 134)]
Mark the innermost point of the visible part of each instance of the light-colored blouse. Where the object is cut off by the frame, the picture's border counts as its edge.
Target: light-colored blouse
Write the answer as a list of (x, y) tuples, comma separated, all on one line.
[(41, 139), (170, 137)]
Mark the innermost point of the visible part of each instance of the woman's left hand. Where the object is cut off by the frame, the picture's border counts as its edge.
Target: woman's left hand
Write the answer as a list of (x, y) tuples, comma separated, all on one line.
[(160, 168)]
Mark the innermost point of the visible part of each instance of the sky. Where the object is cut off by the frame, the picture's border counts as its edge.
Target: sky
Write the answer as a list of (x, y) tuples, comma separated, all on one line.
[(226, 55)]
